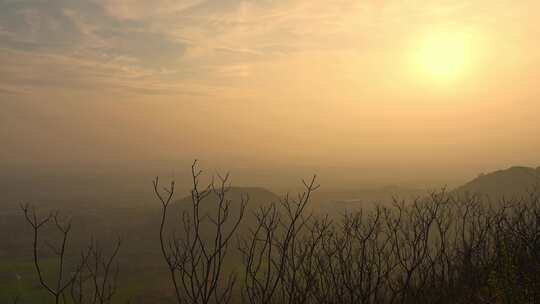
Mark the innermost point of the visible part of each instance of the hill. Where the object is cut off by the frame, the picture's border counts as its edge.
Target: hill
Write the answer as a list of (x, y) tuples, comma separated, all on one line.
[(340, 200), (257, 196), (509, 183)]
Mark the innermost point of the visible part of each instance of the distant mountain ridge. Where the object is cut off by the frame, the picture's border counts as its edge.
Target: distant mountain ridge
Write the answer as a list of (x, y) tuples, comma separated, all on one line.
[(512, 182), (256, 196)]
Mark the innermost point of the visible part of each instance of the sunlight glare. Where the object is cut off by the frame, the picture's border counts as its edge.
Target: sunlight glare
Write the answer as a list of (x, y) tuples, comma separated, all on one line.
[(443, 56)]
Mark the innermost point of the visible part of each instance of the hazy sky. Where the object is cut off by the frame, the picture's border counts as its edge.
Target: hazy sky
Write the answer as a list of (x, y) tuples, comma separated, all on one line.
[(378, 84)]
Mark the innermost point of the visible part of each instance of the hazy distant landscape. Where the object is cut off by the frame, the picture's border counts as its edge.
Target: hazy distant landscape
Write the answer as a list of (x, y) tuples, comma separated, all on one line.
[(99, 216), (269, 152)]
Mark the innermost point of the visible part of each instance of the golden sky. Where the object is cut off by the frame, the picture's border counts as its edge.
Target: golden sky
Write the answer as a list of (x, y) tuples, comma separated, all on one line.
[(441, 84)]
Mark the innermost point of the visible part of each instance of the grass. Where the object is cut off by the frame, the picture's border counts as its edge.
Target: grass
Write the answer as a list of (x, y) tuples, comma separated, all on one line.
[(20, 278)]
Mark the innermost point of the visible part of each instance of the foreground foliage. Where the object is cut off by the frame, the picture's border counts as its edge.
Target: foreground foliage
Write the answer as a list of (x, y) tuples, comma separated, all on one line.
[(441, 248)]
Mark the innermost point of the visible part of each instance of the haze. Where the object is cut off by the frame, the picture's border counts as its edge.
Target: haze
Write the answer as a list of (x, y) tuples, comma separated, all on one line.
[(413, 92)]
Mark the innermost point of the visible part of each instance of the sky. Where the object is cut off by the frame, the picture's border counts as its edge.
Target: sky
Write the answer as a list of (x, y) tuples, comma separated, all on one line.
[(425, 87)]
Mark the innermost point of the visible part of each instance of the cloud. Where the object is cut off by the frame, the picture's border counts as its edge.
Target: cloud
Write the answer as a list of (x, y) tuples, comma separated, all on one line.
[(144, 9), (76, 46), (36, 26), (240, 70), (183, 44), (38, 75), (6, 90)]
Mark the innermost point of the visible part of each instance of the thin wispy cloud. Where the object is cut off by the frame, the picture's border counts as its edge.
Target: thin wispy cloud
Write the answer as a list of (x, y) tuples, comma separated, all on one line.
[(201, 43), (143, 10), (348, 70)]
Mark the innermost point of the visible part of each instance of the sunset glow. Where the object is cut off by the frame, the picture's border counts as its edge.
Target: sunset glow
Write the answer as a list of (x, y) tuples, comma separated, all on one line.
[(444, 56), (269, 151), (270, 82)]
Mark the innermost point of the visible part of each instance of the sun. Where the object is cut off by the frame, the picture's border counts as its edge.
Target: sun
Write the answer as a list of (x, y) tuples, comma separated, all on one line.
[(443, 56)]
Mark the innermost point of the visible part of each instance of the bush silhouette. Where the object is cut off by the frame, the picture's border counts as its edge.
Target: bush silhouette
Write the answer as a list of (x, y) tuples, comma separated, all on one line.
[(441, 248)]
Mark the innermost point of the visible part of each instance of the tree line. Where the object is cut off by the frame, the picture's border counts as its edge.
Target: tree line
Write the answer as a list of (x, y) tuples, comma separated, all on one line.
[(441, 248)]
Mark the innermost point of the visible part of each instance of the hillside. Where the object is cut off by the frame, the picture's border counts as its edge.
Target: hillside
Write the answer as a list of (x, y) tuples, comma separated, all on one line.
[(340, 200), (257, 196), (508, 183), (138, 225)]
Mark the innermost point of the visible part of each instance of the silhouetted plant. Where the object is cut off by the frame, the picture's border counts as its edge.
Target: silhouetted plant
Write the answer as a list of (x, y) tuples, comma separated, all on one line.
[(93, 266), (277, 262), (195, 261), (97, 280), (441, 248), (56, 288)]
